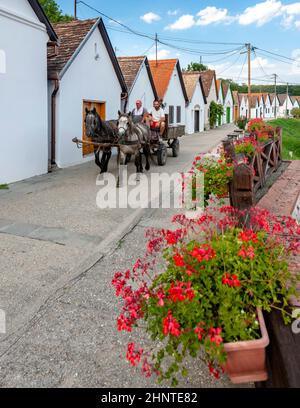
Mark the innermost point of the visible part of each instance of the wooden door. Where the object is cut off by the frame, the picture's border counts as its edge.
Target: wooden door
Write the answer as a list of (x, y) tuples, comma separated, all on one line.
[(228, 114), (197, 121), (101, 110)]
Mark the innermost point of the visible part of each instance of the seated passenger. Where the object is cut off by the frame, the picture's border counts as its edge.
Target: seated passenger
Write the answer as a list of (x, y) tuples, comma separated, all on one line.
[(138, 113), (157, 118)]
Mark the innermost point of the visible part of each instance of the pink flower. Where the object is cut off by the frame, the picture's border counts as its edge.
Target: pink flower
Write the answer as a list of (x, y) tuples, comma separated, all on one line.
[(178, 260), (247, 252), (133, 355), (215, 335)]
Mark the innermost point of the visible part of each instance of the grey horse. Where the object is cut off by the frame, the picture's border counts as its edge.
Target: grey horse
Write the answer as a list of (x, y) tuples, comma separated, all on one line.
[(133, 138)]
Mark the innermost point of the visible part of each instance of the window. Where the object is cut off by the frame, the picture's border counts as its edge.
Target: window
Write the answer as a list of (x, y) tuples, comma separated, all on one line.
[(178, 114), (171, 115)]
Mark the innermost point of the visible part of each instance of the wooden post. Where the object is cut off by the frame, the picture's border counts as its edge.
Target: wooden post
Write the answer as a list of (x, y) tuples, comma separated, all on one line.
[(243, 187), (229, 152)]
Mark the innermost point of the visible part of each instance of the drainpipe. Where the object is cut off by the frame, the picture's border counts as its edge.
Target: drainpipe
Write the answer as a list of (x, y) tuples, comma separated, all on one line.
[(125, 96), (53, 120)]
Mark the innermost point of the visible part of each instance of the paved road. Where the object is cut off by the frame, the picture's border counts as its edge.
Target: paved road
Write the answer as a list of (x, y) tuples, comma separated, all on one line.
[(58, 254)]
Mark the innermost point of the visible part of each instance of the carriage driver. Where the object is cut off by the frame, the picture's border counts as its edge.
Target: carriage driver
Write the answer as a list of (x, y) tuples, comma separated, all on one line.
[(158, 118), (139, 112)]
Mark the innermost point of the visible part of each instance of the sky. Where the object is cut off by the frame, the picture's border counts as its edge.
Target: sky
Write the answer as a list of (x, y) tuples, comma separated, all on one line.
[(183, 26)]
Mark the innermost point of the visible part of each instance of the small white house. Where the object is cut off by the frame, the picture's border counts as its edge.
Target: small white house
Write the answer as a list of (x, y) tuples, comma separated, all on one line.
[(195, 111), (296, 102), (220, 101), (83, 73), (268, 113), (275, 105), (285, 105), (139, 81), (170, 88), (244, 108), (210, 90), (24, 34), (228, 104)]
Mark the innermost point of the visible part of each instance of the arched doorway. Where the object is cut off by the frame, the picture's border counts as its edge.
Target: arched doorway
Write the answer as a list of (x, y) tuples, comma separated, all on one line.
[(197, 119)]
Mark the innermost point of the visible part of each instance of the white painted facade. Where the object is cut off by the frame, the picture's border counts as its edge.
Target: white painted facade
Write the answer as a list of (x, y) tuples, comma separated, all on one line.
[(275, 103), (228, 104), (87, 79), (212, 96), (196, 104), (296, 104), (244, 107), (255, 111), (268, 112), (141, 89), (221, 102), (285, 108), (23, 92), (174, 97)]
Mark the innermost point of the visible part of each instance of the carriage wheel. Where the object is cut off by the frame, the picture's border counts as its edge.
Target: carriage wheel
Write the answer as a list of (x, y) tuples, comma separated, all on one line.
[(162, 154), (175, 148)]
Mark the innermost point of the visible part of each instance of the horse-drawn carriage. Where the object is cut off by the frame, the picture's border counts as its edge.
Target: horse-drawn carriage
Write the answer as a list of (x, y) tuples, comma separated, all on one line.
[(170, 140), (129, 139)]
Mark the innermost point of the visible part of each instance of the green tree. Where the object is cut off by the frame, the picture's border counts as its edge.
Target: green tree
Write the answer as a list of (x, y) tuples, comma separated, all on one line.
[(296, 113), (196, 66), (53, 12)]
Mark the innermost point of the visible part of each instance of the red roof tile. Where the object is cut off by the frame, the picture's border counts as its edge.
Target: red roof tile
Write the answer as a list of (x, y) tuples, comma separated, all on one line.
[(130, 67), (162, 72), (207, 79)]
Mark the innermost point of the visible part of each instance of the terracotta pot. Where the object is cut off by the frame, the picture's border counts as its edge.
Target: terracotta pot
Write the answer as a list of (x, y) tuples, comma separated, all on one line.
[(246, 360)]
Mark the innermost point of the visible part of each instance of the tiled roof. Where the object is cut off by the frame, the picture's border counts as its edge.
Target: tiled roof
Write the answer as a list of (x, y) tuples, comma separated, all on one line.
[(295, 99), (130, 67), (207, 79), (225, 87), (190, 80), (162, 72), (282, 99), (218, 83), (70, 36), (236, 97), (253, 99)]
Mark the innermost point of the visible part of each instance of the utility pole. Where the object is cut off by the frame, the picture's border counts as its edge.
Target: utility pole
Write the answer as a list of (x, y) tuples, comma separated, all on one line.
[(75, 9), (275, 99), (249, 79), (156, 47), (286, 102)]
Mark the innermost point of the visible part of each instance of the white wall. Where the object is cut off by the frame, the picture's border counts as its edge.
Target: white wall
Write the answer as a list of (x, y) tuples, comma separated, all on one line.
[(211, 97), (23, 96), (86, 79), (142, 90), (221, 102), (286, 106), (174, 97), (19, 8), (268, 109), (228, 103), (197, 102)]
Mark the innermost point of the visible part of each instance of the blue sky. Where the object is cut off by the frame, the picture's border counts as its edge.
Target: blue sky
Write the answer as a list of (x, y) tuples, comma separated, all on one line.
[(272, 25)]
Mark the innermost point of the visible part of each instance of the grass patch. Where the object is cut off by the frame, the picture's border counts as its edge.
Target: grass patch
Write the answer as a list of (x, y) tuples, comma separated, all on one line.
[(4, 187), (290, 137)]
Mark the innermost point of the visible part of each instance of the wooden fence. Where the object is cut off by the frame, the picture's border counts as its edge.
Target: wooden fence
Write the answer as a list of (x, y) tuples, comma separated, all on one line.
[(251, 174)]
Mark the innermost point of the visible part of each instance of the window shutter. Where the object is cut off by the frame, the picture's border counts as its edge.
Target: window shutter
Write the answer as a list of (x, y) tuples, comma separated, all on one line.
[(178, 114), (171, 115)]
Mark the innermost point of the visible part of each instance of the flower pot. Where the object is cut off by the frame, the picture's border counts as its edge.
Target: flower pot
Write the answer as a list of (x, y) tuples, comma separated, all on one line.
[(246, 360)]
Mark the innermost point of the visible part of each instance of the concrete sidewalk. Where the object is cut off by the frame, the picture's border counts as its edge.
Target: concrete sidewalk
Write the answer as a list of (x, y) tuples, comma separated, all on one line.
[(58, 254)]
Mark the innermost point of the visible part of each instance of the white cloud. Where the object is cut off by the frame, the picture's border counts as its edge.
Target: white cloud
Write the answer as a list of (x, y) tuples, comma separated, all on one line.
[(261, 13), (213, 15), (161, 54), (184, 22), (173, 12), (150, 17), (258, 14)]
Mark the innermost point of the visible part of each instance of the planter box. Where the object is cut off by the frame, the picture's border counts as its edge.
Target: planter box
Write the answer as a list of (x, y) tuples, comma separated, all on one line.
[(246, 360)]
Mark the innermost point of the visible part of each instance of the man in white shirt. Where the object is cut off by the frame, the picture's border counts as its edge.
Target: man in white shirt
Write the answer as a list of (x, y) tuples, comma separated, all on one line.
[(157, 117)]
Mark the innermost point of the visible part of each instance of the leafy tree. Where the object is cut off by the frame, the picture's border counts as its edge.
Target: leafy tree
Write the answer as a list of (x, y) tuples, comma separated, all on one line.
[(53, 12), (296, 113), (196, 66), (215, 112)]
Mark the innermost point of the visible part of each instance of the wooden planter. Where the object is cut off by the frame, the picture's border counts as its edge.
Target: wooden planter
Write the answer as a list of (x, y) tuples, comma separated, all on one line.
[(246, 360)]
